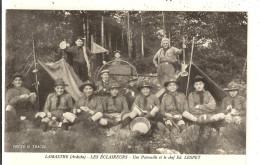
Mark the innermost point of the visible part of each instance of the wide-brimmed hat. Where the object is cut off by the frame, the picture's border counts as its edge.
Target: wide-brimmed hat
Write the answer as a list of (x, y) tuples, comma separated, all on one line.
[(60, 82), (18, 75), (132, 79), (172, 80), (198, 78), (232, 86), (144, 84), (113, 85), (117, 51), (89, 83), (104, 71)]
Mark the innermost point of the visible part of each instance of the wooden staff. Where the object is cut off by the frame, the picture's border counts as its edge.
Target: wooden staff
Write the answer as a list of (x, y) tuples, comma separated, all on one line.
[(187, 88)]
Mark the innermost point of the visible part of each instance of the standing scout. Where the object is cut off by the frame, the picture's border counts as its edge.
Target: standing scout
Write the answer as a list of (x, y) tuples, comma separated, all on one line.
[(146, 104), (116, 105), (57, 103), (202, 106), (78, 61), (165, 59), (89, 106), (173, 105), (103, 84), (16, 101), (234, 105)]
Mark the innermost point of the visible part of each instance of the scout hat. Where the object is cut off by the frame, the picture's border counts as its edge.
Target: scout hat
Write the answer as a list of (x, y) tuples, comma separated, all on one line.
[(89, 83), (117, 51), (132, 79), (144, 84), (104, 71), (18, 75), (113, 85), (60, 82), (232, 86), (172, 80), (198, 78)]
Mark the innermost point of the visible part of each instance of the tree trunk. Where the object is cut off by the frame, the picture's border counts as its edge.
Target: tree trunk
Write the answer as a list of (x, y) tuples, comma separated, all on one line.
[(87, 37), (109, 40), (129, 36), (123, 42), (142, 37), (102, 35), (164, 31)]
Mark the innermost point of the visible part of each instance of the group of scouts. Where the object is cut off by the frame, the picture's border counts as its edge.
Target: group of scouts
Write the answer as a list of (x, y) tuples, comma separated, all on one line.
[(106, 104)]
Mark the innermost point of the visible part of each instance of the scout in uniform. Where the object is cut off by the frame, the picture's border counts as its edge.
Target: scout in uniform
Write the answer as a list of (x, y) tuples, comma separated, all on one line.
[(173, 105), (103, 84), (16, 101), (89, 106), (78, 63), (165, 59), (57, 103), (116, 105), (202, 105), (131, 91), (146, 104), (234, 105)]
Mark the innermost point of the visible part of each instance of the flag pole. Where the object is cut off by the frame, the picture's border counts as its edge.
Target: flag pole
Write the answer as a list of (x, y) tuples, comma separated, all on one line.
[(85, 49), (187, 87)]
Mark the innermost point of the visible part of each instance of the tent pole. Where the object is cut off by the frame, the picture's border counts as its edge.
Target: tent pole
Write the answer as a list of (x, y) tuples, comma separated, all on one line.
[(36, 75), (187, 87)]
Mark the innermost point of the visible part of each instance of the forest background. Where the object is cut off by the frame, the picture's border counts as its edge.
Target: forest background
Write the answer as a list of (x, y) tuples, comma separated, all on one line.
[(220, 39)]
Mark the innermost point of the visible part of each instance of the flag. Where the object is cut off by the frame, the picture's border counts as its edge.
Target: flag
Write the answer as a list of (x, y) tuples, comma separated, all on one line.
[(97, 48)]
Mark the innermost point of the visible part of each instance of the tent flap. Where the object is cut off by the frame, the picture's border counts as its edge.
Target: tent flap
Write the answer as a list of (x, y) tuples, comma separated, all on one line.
[(61, 69)]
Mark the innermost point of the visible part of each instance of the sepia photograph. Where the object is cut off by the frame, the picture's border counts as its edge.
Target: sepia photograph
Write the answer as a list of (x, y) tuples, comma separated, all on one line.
[(125, 82)]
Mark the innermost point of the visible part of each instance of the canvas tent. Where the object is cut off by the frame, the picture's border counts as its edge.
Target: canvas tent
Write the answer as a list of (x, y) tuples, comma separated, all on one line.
[(61, 69), (210, 86)]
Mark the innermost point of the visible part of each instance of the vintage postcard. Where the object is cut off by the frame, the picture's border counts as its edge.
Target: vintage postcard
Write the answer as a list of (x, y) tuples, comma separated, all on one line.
[(114, 82)]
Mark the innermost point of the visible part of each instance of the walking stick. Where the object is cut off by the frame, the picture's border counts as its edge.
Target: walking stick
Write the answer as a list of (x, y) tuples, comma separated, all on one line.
[(187, 87)]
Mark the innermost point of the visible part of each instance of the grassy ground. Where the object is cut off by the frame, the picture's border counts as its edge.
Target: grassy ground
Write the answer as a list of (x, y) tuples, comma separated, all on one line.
[(82, 139)]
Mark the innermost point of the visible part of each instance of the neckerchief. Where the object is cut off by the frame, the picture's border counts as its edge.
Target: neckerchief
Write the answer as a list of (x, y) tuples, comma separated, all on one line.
[(201, 96), (174, 100), (58, 101)]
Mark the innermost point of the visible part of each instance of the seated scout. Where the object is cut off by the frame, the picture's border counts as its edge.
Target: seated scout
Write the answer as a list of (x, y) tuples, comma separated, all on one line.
[(202, 106), (89, 106), (146, 104), (18, 100), (131, 91), (234, 105), (173, 105), (116, 105), (57, 103)]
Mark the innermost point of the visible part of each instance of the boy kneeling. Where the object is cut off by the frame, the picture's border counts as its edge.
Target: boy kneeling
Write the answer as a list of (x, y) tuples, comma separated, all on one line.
[(234, 105), (116, 105), (202, 105), (173, 105), (146, 104), (57, 103)]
